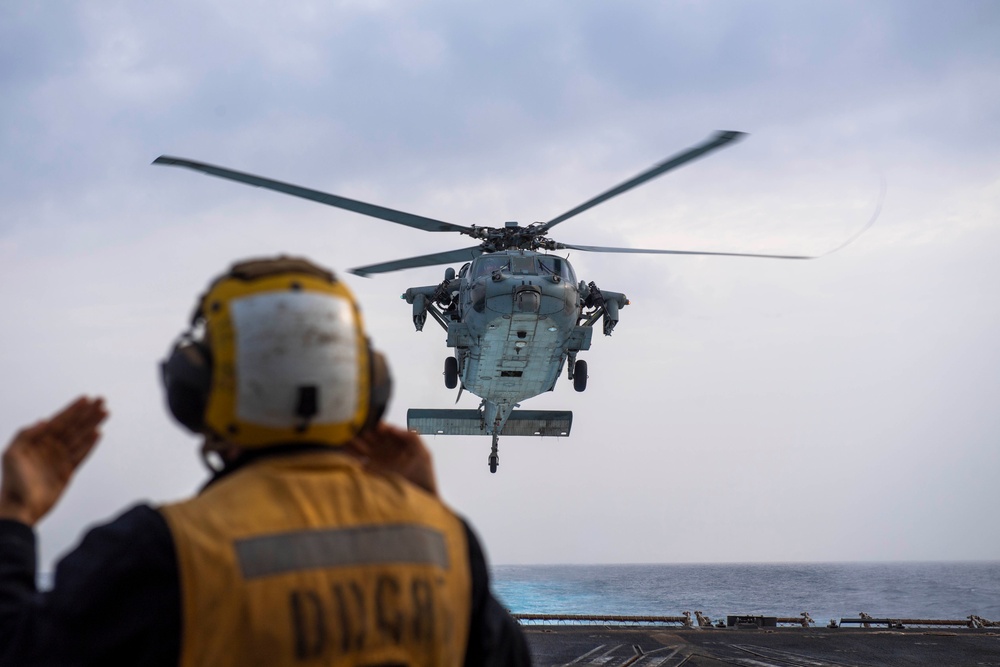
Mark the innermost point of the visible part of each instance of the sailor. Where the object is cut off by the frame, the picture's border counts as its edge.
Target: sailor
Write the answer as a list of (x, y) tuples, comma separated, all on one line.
[(319, 539)]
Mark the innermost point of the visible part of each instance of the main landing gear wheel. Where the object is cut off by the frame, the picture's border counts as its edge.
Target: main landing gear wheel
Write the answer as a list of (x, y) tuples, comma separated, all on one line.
[(580, 375), (451, 372), (495, 453)]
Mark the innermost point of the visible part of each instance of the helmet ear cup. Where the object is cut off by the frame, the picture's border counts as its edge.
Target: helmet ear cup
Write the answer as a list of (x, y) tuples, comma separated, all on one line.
[(381, 388), (187, 379)]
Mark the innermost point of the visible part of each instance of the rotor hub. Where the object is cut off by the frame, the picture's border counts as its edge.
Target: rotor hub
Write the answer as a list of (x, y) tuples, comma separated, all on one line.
[(512, 236)]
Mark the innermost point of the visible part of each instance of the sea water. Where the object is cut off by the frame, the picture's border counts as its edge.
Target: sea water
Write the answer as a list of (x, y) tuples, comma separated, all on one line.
[(952, 590)]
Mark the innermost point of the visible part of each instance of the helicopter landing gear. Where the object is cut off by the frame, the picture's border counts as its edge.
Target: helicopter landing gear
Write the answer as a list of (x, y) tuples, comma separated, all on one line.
[(494, 454), (580, 375), (451, 372)]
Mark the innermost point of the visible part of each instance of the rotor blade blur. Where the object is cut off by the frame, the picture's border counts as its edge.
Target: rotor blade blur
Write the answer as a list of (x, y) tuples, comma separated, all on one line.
[(717, 140), (399, 217), (449, 257), (851, 239), (644, 251)]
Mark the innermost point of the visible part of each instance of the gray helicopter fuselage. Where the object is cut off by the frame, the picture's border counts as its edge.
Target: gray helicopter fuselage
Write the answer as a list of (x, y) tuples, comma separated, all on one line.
[(517, 316), (514, 317)]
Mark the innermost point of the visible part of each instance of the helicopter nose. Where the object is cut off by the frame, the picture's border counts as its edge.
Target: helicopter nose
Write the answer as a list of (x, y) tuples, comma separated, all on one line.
[(527, 300)]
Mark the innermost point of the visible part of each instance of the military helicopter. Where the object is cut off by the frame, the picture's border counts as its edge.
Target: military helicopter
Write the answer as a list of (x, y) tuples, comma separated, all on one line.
[(514, 313)]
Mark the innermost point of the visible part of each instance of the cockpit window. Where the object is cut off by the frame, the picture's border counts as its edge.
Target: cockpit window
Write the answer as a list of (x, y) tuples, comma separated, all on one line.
[(523, 265), (484, 266), (556, 266), (545, 265)]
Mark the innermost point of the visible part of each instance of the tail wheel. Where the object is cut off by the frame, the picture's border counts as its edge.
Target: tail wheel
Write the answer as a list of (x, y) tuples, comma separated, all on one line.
[(580, 375), (451, 372)]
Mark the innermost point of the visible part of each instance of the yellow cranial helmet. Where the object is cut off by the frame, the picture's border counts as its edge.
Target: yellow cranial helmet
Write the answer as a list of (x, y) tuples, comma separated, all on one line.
[(284, 359)]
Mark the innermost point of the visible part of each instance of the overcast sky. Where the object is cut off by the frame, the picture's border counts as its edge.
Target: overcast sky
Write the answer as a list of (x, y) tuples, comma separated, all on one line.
[(844, 408)]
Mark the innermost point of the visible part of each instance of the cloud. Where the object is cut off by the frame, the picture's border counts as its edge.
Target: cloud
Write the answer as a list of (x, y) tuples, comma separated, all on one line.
[(843, 396)]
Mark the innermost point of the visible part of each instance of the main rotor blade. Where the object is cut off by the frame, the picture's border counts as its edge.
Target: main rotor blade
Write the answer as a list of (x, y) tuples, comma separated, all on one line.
[(449, 257), (718, 140), (851, 239), (399, 217), (594, 248)]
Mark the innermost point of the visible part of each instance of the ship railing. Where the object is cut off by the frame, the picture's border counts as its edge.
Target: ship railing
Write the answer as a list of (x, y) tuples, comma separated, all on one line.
[(972, 621), (686, 620), (744, 621), (602, 619)]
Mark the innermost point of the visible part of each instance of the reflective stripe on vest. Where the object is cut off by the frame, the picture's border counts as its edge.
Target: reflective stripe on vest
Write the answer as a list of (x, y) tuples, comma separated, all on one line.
[(307, 559)]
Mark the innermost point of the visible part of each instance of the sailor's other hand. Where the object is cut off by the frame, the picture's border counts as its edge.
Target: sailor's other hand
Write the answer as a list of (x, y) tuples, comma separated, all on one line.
[(40, 460), (393, 449)]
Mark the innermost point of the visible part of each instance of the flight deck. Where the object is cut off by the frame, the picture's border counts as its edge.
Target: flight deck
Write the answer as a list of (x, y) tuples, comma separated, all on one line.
[(664, 646)]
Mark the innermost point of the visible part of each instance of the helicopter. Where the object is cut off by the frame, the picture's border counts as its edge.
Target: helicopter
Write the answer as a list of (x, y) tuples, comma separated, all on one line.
[(514, 313)]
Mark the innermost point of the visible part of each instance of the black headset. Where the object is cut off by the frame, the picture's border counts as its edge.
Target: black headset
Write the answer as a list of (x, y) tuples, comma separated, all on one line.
[(187, 377), (187, 381)]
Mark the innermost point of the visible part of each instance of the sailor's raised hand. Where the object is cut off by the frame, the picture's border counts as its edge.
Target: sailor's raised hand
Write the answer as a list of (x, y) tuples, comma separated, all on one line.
[(41, 459)]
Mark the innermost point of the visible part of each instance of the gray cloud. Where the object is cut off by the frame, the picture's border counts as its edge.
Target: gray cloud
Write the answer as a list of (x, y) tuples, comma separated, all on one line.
[(846, 401)]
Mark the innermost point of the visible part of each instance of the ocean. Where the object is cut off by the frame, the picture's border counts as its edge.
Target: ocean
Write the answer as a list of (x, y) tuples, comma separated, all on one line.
[(826, 591), (948, 590)]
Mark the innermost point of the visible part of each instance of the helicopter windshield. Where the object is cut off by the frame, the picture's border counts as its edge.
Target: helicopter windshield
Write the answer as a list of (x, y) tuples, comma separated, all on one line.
[(522, 265), (556, 266), (487, 265)]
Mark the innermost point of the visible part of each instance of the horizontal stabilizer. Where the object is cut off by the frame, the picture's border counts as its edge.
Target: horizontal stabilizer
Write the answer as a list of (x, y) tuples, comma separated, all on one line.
[(469, 422)]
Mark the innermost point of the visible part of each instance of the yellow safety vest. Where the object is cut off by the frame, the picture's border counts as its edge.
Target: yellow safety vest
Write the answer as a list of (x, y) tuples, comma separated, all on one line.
[(306, 559)]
